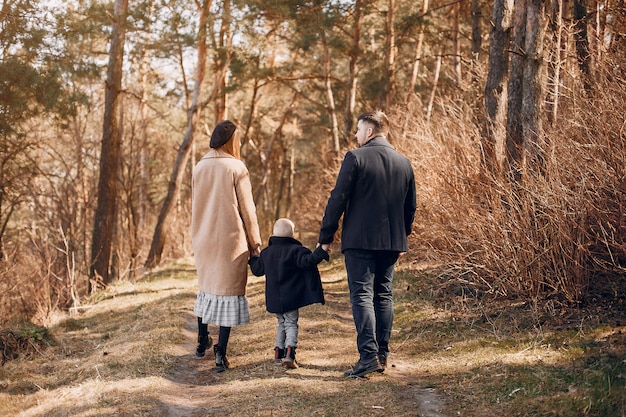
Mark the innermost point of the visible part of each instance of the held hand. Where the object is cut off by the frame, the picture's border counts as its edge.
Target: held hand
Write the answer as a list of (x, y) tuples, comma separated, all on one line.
[(325, 246)]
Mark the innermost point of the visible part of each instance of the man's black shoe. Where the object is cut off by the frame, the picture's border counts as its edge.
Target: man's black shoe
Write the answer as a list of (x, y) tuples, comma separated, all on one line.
[(382, 359), (361, 369)]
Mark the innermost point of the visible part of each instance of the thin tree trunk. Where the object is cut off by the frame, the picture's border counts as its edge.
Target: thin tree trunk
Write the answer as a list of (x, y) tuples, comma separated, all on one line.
[(389, 79), (431, 100), (245, 138), (138, 206), (554, 76), (456, 43), (582, 43), (114, 269), (477, 36), (495, 87), (104, 217), (514, 128), (330, 99), (292, 175), (353, 71), (533, 96), (283, 182), (223, 55), (265, 156), (176, 178), (418, 55)]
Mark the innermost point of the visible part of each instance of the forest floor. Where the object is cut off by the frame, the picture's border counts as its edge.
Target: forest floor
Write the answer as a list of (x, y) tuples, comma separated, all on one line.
[(129, 351)]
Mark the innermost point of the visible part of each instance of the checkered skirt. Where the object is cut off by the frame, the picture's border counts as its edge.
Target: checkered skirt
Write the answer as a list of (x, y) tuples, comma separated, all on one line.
[(222, 310)]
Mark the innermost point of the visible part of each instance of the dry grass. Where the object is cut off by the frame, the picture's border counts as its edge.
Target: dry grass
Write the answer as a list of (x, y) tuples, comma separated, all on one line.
[(129, 351)]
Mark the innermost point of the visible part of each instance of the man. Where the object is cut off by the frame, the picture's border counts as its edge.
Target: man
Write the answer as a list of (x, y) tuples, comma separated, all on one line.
[(375, 193)]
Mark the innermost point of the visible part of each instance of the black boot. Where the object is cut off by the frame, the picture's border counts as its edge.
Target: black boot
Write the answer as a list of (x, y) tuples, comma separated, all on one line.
[(290, 358), (221, 362), (279, 354), (204, 340), (204, 343)]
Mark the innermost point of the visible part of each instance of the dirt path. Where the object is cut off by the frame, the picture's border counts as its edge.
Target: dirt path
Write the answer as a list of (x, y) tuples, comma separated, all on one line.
[(255, 386)]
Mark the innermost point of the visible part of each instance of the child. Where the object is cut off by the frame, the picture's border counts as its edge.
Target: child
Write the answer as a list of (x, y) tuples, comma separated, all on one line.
[(292, 281)]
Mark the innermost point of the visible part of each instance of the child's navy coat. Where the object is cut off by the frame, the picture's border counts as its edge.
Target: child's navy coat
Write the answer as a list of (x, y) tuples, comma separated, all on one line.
[(291, 276)]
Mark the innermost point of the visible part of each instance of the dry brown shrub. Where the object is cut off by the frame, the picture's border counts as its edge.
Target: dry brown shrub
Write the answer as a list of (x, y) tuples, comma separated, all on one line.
[(37, 279), (550, 235)]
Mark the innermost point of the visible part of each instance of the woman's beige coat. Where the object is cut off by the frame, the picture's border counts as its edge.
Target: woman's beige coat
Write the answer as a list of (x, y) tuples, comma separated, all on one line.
[(223, 223)]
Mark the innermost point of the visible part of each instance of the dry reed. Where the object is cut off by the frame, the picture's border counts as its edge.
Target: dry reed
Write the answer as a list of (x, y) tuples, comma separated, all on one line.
[(547, 236)]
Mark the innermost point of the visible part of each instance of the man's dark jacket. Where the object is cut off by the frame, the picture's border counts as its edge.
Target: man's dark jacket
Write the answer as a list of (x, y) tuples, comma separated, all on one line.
[(375, 192), (292, 279)]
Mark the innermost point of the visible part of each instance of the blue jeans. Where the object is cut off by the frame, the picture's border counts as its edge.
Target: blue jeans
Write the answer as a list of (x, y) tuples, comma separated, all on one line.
[(370, 279)]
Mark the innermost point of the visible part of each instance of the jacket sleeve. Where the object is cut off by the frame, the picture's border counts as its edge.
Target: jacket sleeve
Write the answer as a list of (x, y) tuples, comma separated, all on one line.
[(247, 209), (338, 199), (256, 265), (410, 205), (307, 259)]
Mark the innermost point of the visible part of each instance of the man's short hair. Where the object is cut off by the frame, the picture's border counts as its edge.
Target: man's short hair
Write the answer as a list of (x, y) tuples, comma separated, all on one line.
[(378, 119)]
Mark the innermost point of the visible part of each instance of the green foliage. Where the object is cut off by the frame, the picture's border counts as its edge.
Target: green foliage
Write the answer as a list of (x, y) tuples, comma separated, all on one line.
[(23, 339)]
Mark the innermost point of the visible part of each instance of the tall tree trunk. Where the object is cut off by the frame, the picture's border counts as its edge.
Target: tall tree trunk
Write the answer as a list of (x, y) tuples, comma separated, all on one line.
[(386, 91), (290, 182), (418, 55), (582, 43), (265, 156), (433, 92), (137, 206), (533, 97), (223, 55), (514, 128), (554, 68), (283, 182), (495, 87), (330, 99), (104, 218), (477, 31), (355, 53), (245, 137), (176, 178), (456, 43)]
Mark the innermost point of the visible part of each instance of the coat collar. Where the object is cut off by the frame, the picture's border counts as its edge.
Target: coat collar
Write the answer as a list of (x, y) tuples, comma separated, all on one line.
[(281, 240), (377, 141), (217, 153)]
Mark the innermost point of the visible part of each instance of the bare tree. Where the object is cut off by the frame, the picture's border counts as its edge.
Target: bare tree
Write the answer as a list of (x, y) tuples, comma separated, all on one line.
[(104, 221), (223, 51), (533, 98), (495, 87), (456, 42), (353, 68), (514, 128), (330, 98), (582, 43), (477, 38), (178, 171), (418, 55), (433, 92), (524, 128), (389, 75), (555, 62)]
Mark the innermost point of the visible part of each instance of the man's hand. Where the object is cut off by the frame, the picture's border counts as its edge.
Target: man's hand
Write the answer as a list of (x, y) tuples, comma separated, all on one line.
[(325, 246)]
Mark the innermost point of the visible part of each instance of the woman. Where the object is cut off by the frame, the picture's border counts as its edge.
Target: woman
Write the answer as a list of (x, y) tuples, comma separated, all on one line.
[(224, 232)]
